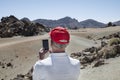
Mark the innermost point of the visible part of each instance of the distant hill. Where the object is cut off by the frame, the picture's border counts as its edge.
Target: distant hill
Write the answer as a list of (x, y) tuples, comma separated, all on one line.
[(65, 22), (117, 23), (91, 23), (70, 23)]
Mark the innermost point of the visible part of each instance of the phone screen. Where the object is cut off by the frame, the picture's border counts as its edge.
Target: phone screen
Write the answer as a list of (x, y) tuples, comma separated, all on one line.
[(45, 44)]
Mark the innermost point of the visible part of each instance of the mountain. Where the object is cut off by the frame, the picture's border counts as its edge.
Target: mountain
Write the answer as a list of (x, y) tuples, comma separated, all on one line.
[(65, 22), (91, 23), (117, 23), (70, 23)]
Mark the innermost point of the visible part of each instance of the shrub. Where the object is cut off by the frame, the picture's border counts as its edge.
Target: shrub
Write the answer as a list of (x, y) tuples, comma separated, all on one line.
[(114, 41), (107, 52)]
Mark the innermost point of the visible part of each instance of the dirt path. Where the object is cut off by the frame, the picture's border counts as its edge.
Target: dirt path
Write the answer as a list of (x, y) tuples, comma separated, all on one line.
[(12, 41), (79, 43)]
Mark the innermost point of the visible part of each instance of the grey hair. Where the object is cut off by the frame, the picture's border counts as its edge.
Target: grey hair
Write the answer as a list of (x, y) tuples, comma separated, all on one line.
[(60, 45)]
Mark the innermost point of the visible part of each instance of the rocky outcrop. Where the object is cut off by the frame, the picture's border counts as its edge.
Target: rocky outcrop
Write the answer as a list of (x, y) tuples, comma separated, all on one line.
[(11, 26), (97, 55), (114, 35)]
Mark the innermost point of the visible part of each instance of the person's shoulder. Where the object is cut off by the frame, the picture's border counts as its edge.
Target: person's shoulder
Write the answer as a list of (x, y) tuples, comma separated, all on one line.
[(74, 61), (38, 64), (43, 62)]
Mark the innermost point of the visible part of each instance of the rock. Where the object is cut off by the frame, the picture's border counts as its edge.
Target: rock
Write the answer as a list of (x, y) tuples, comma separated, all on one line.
[(118, 48), (89, 37), (91, 50), (86, 60), (27, 76), (98, 63), (114, 35), (19, 77), (3, 66), (103, 43), (16, 56), (83, 66), (76, 54), (9, 65), (87, 54), (0, 63)]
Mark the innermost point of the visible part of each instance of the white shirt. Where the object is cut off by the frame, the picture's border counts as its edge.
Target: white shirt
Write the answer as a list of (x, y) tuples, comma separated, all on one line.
[(58, 66)]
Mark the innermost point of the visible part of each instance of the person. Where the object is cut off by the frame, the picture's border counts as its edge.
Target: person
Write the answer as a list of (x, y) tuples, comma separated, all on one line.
[(58, 65)]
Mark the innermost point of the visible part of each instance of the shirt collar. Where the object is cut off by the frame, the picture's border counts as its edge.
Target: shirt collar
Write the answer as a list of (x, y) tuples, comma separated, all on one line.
[(58, 54)]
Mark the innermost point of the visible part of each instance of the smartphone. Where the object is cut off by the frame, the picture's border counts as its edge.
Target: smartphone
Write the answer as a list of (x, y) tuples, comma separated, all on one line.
[(45, 44)]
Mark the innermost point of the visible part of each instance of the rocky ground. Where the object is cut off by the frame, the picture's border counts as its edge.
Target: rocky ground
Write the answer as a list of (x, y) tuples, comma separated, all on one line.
[(17, 55), (110, 48)]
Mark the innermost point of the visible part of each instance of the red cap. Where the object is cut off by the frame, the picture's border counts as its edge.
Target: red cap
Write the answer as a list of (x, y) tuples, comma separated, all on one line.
[(60, 35)]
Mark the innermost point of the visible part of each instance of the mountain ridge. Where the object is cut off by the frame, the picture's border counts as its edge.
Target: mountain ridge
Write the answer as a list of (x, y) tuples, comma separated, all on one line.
[(70, 22), (117, 23)]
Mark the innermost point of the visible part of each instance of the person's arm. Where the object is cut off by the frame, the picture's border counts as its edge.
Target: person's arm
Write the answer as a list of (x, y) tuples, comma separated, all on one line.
[(37, 68)]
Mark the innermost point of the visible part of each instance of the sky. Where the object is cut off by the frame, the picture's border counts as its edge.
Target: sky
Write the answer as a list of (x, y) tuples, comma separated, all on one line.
[(101, 10)]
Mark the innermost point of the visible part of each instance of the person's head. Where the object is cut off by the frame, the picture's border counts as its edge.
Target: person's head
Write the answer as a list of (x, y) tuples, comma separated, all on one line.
[(59, 38)]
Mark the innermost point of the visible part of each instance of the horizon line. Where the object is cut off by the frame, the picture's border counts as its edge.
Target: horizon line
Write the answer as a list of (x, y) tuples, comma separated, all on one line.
[(61, 18)]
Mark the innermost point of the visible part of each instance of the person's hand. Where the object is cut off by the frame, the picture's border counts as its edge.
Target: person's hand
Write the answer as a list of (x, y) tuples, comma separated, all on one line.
[(42, 53)]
